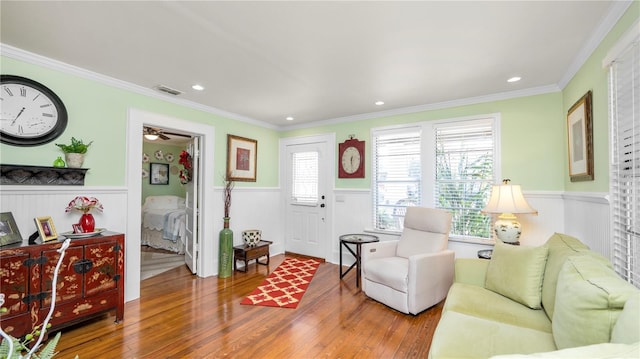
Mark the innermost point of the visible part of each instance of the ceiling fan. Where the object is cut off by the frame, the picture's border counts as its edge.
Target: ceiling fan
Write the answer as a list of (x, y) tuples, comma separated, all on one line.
[(152, 133)]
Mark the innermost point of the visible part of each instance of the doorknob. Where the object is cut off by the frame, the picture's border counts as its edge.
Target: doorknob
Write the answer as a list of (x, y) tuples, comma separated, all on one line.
[(322, 205)]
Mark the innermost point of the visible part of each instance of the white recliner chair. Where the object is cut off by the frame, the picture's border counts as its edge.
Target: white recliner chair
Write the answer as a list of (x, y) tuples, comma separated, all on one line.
[(415, 272)]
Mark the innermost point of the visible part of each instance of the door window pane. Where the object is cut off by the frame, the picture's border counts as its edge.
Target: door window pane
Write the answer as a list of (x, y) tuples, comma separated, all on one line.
[(305, 177)]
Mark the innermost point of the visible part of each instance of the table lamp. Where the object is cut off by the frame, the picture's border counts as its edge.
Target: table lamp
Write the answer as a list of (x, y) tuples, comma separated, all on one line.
[(507, 200)]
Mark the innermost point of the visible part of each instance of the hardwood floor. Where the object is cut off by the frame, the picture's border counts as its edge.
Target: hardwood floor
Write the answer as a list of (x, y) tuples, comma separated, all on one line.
[(153, 263), (183, 316)]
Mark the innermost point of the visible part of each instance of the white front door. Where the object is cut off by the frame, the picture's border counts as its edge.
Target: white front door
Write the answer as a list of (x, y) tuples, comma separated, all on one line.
[(306, 197), (192, 200)]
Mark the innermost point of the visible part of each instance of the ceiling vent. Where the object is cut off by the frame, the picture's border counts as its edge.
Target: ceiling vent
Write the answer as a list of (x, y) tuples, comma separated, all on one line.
[(169, 90)]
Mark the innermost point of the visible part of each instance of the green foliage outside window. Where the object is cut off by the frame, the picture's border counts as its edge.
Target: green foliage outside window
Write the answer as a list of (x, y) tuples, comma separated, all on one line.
[(463, 184)]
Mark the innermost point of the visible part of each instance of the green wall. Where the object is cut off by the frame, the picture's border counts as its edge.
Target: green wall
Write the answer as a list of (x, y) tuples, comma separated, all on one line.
[(98, 113), (531, 137), (533, 128), (174, 187), (592, 76)]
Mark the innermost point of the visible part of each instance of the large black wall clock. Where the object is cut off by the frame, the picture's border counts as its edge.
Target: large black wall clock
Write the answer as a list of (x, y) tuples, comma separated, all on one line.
[(32, 114), (351, 159)]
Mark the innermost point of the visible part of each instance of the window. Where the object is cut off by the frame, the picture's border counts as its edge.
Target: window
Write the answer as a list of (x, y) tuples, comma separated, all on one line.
[(464, 173), (624, 90), (305, 177), (445, 164), (397, 176)]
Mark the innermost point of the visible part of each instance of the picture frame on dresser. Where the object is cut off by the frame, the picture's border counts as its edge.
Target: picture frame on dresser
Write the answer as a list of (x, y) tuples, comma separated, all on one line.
[(9, 232), (46, 228)]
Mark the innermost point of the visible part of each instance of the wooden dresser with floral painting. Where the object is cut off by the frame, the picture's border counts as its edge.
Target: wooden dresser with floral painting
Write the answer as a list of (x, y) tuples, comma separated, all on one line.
[(90, 282)]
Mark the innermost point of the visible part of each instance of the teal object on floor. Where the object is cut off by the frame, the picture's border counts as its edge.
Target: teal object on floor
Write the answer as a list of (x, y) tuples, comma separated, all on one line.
[(225, 251)]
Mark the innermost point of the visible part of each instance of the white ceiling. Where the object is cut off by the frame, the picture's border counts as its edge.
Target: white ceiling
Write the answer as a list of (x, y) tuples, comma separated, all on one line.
[(317, 61)]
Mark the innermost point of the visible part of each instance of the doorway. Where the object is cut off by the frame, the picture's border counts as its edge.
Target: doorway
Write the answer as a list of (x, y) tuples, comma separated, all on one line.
[(206, 247), (170, 209), (307, 175)]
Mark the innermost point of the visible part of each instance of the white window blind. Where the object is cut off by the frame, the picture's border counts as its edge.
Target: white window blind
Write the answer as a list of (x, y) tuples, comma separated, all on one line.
[(396, 175), (624, 90), (464, 173), (305, 177)]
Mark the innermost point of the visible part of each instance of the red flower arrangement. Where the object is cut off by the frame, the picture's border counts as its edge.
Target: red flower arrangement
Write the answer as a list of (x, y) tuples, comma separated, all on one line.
[(187, 162)]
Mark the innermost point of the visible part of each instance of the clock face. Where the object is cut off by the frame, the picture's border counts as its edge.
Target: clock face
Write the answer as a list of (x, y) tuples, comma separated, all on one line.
[(351, 160), (31, 114)]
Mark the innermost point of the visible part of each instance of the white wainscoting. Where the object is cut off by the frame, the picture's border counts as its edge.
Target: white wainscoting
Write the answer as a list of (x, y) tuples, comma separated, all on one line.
[(254, 208), (587, 218), (29, 202), (582, 215), (250, 208), (352, 214)]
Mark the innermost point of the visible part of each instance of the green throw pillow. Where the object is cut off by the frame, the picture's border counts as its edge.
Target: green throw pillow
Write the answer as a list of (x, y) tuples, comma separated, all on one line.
[(516, 272), (589, 299), (627, 327)]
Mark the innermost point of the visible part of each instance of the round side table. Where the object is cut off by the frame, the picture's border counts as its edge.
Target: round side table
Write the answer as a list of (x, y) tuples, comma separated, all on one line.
[(356, 239)]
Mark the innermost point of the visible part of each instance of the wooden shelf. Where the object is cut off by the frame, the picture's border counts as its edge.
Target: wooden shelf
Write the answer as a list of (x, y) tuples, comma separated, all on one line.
[(41, 175)]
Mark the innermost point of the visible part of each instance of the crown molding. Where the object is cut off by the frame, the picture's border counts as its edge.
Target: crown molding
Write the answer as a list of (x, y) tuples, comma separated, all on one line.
[(616, 10), (35, 59), (430, 107)]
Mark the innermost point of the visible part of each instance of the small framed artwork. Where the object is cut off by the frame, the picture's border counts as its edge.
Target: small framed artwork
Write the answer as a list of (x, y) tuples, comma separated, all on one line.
[(242, 154), (9, 232), (77, 228), (159, 173), (46, 229), (580, 139)]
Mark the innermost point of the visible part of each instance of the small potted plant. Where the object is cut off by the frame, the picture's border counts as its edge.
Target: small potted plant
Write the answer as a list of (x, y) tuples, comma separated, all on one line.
[(74, 153)]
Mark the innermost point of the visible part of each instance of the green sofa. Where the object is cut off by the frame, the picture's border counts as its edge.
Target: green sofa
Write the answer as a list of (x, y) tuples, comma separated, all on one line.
[(559, 300)]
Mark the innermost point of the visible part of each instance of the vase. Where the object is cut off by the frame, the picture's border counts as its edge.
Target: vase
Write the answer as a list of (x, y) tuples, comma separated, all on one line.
[(225, 250), (59, 162), (252, 237), (74, 160), (87, 223)]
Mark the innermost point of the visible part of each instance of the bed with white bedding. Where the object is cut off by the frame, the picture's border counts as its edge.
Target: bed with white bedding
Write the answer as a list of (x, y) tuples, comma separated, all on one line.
[(163, 223)]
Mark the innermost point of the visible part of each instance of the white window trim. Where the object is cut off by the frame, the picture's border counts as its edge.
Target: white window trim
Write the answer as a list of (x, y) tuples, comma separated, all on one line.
[(428, 159), (623, 252)]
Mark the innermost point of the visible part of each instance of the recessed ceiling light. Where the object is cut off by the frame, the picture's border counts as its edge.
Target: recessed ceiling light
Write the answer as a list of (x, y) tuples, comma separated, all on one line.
[(289, 118), (197, 87), (379, 103), (514, 79)]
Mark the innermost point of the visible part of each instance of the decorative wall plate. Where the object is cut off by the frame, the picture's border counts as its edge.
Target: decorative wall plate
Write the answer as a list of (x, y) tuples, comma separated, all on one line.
[(158, 155), (173, 170), (169, 157), (145, 158), (145, 173)]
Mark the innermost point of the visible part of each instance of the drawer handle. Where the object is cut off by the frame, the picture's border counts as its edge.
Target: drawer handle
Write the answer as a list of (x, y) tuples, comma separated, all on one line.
[(82, 266)]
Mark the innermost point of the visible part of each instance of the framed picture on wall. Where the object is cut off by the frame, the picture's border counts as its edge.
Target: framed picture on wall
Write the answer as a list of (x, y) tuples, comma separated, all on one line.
[(46, 229), (159, 173), (9, 232), (242, 154), (580, 139)]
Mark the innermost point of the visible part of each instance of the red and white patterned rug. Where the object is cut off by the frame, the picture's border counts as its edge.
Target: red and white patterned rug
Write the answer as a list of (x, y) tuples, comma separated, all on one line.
[(286, 285)]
